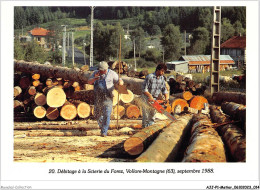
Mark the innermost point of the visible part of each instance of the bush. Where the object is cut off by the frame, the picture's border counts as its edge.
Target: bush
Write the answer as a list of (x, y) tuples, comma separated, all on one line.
[(153, 55), (142, 63)]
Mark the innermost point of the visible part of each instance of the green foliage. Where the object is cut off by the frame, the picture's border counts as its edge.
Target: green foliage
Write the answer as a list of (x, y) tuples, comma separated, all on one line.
[(138, 35), (156, 30), (172, 42), (153, 55), (142, 63), (200, 41), (239, 28), (227, 30), (33, 52), (205, 18), (18, 50), (55, 56)]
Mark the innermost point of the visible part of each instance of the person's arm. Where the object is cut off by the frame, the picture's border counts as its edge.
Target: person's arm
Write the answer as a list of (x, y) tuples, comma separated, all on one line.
[(145, 89), (117, 80), (165, 92), (150, 97), (95, 76)]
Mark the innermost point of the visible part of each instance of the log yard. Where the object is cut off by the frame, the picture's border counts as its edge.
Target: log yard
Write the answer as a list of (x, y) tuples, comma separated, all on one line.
[(54, 120)]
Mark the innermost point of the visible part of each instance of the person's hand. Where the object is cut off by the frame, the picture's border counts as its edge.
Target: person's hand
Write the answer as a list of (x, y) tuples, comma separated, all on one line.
[(150, 99), (97, 75), (121, 82), (166, 102)]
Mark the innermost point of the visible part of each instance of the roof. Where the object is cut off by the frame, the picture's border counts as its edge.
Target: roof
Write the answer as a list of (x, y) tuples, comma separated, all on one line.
[(39, 32), (236, 42), (177, 62), (205, 59)]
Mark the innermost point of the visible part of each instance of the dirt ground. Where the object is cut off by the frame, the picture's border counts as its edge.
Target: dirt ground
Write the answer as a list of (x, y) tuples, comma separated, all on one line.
[(70, 149)]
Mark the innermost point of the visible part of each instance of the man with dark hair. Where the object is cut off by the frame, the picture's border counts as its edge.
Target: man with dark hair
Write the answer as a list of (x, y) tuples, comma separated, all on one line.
[(153, 85)]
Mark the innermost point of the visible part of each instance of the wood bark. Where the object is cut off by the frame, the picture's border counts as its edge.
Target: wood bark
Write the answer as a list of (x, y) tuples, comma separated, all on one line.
[(25, 82), (40, 99), (84, 95), (198, 102), (235, 111), (167, 145), (205, 143), (136, 144), (68, 111), (231, 134), (52, 113), (237, 97)]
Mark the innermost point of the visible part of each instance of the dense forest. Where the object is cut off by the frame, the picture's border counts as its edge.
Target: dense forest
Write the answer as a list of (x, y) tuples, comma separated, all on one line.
[(165, 23)]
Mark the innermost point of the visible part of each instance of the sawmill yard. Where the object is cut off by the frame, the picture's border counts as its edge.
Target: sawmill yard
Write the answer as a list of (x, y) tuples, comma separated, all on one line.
[(54, 121)]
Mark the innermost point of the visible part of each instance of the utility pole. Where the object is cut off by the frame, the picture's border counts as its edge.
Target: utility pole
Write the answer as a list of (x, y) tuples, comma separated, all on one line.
[(64, 45), (134, 55), (84, 51), (68, 43), (184, 42), (91, 38), (72, 44)]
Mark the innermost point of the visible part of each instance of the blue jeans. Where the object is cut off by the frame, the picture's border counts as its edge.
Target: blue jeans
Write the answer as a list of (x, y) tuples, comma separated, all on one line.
[(103, 112), (148, 113)]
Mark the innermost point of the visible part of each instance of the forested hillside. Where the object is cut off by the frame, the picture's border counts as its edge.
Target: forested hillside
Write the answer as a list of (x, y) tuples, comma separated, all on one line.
[(162, 27)]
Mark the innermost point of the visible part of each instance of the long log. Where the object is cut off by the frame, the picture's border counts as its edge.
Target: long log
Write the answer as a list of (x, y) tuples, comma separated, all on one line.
[(167, 145), (235, 111), (133, 84), (25, 82), (40, 133), (231, 134), (205, 143), (136, 144), (237, 97)]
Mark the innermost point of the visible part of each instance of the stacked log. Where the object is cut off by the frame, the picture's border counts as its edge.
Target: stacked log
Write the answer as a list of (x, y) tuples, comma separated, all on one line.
[(231, 134), (167, 145), (205, 143), (115, 66)]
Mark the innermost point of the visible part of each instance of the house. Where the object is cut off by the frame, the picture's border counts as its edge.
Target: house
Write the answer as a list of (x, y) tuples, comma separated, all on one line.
[(40, 35), (178, 66), (200, 63), (236, 48)]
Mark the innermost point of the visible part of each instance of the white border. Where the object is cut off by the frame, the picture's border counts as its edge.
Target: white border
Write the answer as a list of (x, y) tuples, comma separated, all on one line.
[(29, 174)]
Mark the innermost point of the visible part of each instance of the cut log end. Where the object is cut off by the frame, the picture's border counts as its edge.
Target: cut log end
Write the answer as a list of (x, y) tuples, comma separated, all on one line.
[(56, 97), (134, 146), (39, 112), (40, 99), (68, 112), (52, 113), (127, 98), (183, 103), (83, 110), (198, 102), (132, 111)]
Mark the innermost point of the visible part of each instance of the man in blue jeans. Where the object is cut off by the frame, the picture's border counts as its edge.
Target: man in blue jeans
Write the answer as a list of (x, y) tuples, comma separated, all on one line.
[(153, 86), (104, 80)]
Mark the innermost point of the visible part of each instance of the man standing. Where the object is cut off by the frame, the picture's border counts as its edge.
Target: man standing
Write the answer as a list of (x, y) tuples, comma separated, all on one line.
[(153, 85), (104, 80)]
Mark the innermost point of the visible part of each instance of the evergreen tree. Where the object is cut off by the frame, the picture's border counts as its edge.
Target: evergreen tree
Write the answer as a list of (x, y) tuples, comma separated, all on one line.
[(227, 30), (172, 42), (200, 43)]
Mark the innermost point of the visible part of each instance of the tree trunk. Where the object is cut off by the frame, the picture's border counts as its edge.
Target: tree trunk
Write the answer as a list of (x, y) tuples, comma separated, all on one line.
[(40, 99), (235, 111), (83, 109), (55, 97), (231, 134), (25, 82), (132, 111), (52, 113), (237, 97), (187, 95), (166, 146), (127, 98), (68, 111), (198, 102), (136, 144), (121, 111), (39, 112), (17, 91), (178, 101), (205, 143)]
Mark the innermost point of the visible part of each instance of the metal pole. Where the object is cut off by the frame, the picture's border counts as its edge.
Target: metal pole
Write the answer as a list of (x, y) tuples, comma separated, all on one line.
[(84, 52), (119, 70), (68, 43), (134, 55), (72, 44), (91, 38), (64, 45)]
